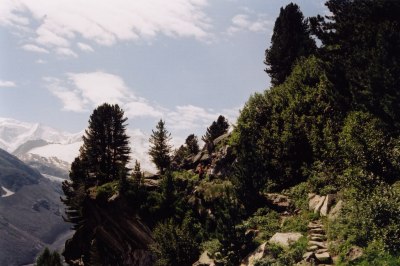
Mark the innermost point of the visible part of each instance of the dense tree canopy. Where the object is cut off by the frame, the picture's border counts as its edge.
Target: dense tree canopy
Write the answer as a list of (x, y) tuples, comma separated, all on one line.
[(290, 41)]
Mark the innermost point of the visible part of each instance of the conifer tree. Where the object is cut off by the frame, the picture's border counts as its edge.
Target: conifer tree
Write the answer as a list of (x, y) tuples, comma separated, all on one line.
[(103, 158), (160, 148), (290, 40), (216, 129), (192, 144), (137, 173), (105, 145)]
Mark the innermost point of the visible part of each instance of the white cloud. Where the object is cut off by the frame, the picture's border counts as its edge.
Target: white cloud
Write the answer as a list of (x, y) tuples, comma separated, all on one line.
[(190, 117), (81, 92), (99, 87), (66, 52), (41, 61), (60, 22), (70, 98), (85, 47), (34, 48), (141, 109), (7, 83), (243, 22)]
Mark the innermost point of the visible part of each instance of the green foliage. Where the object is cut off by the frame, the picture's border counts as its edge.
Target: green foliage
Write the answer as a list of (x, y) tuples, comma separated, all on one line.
[(192, 144), (361, 38), (266, 221), (47, 258), (176, 244), (105, 149), (371, 214), (160, 148), (290, 41), (279, 256), (281, 132), (211, 246)]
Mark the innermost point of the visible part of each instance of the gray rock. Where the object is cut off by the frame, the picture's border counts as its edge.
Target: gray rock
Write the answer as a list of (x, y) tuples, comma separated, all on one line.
[(221, 138), (334, 213), (354, 253), (324, 257), (317, 243), (315, 201), (204, 260), (312, 248), (329, 200), (258, 254), (285, 239)]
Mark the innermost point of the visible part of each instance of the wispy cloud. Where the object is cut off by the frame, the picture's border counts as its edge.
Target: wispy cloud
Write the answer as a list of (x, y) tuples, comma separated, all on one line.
[(244, 22), (7, 83), (85, 47), (82, 92), (60, 22), (34, 48)]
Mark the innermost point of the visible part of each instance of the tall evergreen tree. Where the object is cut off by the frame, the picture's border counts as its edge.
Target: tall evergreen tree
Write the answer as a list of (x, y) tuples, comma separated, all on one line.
[(361, 39), (192, 144), (103, 158), (216, 129), (160, 149), (106, 145), (290, 41), (137, 173)]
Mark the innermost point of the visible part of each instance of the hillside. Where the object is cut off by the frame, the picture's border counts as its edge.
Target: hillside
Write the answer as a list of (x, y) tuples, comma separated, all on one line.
[(30, 213)]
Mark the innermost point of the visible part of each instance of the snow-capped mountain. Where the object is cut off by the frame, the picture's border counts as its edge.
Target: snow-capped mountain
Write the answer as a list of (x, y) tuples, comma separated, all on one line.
[(38, 144), (14, 133)]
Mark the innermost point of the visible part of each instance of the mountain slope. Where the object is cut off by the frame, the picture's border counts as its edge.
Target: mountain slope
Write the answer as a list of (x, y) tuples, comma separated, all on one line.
[(30, 216)]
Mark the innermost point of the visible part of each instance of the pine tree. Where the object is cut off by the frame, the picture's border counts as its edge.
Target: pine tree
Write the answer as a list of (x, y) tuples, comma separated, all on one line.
[(137, 173), (106, 145), (216, 129), (159, 147), (290, 40), (192, 144), (103, 158)]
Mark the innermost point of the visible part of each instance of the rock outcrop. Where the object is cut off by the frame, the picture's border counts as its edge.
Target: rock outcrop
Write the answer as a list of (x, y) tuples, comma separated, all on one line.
[(285, 239), (325, 205), (111, 229)]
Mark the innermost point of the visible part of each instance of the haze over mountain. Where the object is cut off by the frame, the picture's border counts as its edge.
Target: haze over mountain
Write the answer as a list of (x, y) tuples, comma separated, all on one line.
[(33, 142)]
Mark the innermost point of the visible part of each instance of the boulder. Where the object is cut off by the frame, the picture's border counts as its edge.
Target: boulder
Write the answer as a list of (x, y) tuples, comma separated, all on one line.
[(221, 138), (258, 254), (334, 213), (285, 239), (318, 207), (315, 201), (204, 260), (278, 201), (354, 253), (324, 257), (329, 201)]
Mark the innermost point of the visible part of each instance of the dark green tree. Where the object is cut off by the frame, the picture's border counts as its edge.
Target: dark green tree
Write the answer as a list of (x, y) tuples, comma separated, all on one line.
[(137, 173), (106, 145), (216, 129), (103, 158), (290, 41), (192, 144), (47, 258), (160, 149), (361, 39)]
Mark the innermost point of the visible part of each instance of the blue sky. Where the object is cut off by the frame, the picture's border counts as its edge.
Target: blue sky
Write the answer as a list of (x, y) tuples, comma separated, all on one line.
[(185, 61)]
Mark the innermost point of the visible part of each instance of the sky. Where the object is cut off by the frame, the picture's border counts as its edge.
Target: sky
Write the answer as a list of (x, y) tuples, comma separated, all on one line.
[(183, 61)]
